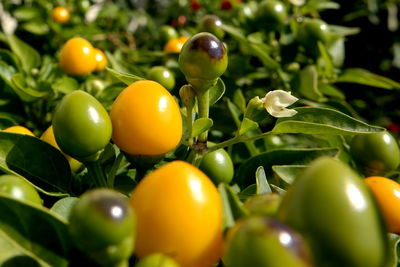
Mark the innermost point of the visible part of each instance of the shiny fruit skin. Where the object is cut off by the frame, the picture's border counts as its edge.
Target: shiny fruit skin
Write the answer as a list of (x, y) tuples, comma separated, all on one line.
[(168, 33), (212, 24), (258, 241), (175, 45), (101, 59), (377, 153), (331, 206), (218, 166), (163, 76), (146, 119), (203, 58), (312, 31), (103, 225), (60, 14), (48, 137), (77, 57), (81, 125), (187, 224), (17, 188), (387, 194), (272, 14), (19, 129), (157, 260)]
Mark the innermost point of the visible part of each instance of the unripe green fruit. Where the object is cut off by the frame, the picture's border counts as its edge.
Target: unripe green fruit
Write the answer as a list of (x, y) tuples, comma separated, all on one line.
[(103, 224), (203, 59), (265, 242), (17, 188), (377, 153), (271, 14), (81, 125), (163, 76), (157, 260), (212, 24), (332, 207)]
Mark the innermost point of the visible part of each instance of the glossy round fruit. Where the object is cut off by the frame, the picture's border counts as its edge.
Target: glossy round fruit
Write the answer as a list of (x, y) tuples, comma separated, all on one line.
[(157, 260), (81, 126), (101, 60), (377, 153), (387, 194), (175, 45), (265, 242), (48, 137), (331, 206), (203, 58), (168, 33), (311, 31), (102, 224), (163, 76), (77, 57), (272, 14), (146, 119), (218, 166), (19, 130), (179, 214), (212, 24), (60, 14), (18, 188)]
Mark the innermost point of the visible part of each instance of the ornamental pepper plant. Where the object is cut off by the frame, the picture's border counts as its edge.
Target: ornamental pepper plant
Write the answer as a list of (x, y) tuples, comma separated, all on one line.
[(199, 133)]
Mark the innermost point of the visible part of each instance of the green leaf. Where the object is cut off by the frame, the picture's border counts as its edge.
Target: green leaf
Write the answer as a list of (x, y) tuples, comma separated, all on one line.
[(201, 125), (248, 192), (32, 232), (217, 91), (336, 51), (344, 31), (27, 13), (26, 93), (28, 56), (36, 27), (231, 205), (48, 170), (126, 78), (63, 206), (9, 58), (234, 32), (288, 173), (258, 51), (6, 72), (364, 77), (313, 120), (308, 83), (239, 100), (261, 182), (65, 85), (298, 156), (326, 65), (330, 90), (247, 125)]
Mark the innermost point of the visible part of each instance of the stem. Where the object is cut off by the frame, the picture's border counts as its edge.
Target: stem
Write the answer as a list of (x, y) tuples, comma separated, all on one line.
[(96, 173), (189, 124), (237, 139), (113, 171), (203, 102)]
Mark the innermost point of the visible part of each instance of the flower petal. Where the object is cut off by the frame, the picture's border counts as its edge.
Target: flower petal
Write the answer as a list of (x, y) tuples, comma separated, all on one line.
[(275, 102)]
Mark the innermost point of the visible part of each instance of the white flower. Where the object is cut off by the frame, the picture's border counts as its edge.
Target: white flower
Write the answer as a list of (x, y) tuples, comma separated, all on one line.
[(297, 2), (8, 22), (275, 102), (93, 12)]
